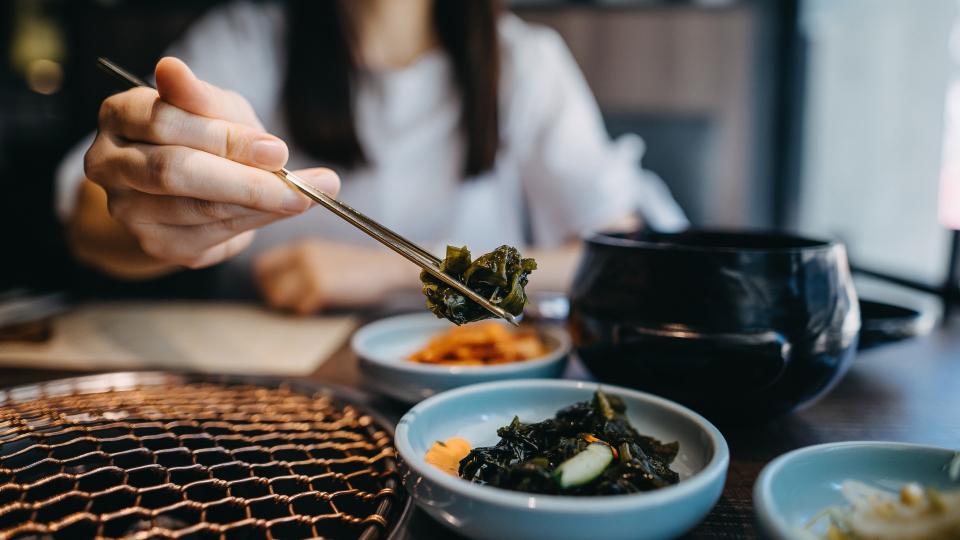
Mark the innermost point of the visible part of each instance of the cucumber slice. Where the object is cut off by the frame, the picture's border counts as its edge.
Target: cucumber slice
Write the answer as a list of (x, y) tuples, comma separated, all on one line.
[(585, 466)]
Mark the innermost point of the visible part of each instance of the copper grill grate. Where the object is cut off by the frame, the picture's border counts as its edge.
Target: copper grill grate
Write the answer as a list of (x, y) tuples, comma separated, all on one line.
[(162, 456)]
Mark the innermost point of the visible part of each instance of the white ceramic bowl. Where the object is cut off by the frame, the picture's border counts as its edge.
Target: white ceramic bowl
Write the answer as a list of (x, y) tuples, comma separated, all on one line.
[(799, 484), (384, 346), (486, 512)]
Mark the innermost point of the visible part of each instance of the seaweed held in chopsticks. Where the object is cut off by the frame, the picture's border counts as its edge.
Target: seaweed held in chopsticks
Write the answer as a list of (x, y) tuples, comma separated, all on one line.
[(498, 276), (537, 457)]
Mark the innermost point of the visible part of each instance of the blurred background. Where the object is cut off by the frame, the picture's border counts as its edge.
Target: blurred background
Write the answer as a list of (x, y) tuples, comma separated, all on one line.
[(824, 117)]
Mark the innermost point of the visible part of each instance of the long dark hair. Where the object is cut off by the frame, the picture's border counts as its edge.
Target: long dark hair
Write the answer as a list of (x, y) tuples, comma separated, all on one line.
[(322, 67)]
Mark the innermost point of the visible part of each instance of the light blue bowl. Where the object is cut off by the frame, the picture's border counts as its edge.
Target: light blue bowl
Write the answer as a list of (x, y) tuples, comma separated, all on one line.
[(384, 346), (797, 485), (475, 412)]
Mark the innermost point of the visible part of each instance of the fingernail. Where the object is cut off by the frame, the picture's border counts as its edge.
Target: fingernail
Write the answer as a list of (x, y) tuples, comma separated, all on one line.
[(269, 153)]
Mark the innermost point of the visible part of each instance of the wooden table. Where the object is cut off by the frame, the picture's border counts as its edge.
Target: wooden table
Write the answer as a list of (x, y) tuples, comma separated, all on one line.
[(906, 392)]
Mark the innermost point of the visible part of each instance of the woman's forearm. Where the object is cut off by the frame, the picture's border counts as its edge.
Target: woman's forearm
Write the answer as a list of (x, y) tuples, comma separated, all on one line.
[(98, 241)]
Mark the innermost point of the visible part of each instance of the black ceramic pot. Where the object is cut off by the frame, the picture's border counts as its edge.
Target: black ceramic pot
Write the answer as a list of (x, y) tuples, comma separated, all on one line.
[(739, 326)]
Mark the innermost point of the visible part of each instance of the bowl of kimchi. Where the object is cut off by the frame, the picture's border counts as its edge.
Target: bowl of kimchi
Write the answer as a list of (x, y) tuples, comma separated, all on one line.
[(412, 357)]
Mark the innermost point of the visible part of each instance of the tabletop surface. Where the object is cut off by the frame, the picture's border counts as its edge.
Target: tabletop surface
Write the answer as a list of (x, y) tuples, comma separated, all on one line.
[(907, 392)]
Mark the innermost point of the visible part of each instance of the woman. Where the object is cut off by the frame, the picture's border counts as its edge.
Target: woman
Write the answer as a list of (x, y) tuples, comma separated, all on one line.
[(448, 121)]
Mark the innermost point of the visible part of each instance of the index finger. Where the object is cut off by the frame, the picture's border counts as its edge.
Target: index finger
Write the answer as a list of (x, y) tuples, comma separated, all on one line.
[(140, 115), (184, 172)]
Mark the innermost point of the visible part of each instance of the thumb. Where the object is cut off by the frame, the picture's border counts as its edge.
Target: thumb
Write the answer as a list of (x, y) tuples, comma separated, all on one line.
[(178, 86), (321, 178)]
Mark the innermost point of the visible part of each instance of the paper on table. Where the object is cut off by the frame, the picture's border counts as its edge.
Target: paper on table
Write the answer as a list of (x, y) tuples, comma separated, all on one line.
[(193, 336)]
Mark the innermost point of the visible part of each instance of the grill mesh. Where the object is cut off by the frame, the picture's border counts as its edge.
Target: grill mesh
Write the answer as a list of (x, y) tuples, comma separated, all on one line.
[(163, 456)]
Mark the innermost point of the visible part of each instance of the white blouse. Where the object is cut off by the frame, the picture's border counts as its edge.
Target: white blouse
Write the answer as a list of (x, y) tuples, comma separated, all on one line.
[(557, 173)]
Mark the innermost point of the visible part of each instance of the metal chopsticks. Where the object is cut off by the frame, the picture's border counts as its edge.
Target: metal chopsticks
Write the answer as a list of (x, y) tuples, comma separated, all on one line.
[(410, 251)]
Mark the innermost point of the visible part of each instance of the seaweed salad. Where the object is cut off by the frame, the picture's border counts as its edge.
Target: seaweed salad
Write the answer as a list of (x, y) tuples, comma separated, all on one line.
[(589, 448), (498, 276)]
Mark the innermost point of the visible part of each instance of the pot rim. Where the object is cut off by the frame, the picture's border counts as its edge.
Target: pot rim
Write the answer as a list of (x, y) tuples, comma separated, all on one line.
[(612, 239)]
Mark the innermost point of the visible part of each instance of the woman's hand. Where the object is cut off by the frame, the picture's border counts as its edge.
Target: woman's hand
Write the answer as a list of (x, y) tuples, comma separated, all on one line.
[(186, 169), (310, 275)]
